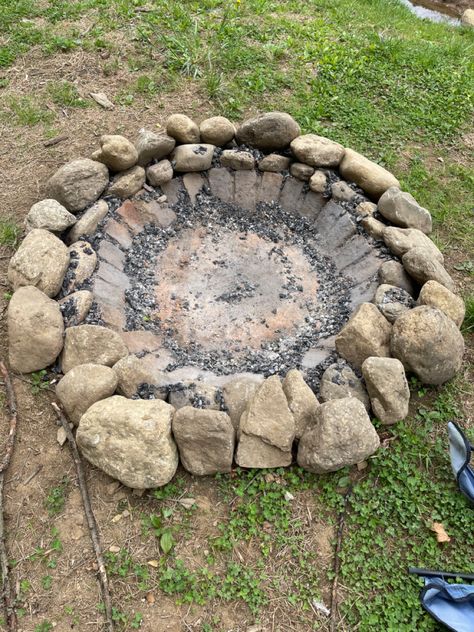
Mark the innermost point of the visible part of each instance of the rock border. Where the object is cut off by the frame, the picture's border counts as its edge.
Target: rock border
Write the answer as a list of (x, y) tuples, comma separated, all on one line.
[(411, 325)]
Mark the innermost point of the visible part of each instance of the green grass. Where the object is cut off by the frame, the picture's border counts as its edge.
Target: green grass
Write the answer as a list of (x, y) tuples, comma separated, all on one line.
[(10, 233), (64, 93)]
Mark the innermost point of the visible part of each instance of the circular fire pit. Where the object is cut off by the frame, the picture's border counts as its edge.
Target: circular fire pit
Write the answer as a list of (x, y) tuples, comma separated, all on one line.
[(233, 259)]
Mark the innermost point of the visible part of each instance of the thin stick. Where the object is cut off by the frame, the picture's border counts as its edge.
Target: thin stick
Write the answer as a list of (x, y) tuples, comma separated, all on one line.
[(8, 595), (337, 561), (91, 522)]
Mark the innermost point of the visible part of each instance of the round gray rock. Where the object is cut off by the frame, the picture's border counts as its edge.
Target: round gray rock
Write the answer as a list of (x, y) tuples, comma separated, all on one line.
[(83, 386), (35, 330), (342, 436), (151, 146), (127, 183), (272, 130), (86, 344), (41, 260), (130, 440), (317, 151), (160, 173), (217, 130), (78, 184), (402, 209), (182, 128), (50, 215), (428, 344), (388, 388)]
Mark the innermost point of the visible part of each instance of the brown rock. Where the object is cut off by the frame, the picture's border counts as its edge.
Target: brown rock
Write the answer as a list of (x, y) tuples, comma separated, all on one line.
[(237, 394), (367, 333), (182, 128), (402, 209), (342, 192), (49, 215), (274, 163), (151, 146), (117, 152), (269, 131), (75, 307), (301, 171), (88, 222), (373, 227), (83, 260), (436, 295), (388, 388), (193, 157), (339, 381), (371, 177), (35, 330), (393, 273), (86, 344), (127, 183), (302, 402), (420, 264), (160, 173), (78, 183), (318, 181), (205, 440), (401, 240), (317, 151), (237, 159), (195, 393), (134, 373), (217, 130), (255, 453), (41, 261)]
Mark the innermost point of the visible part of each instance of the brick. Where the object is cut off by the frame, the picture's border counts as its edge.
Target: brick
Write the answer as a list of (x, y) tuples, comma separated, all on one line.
[(270, 187), (246, 184), (222, 184), (119, 232), (352, 251), (111, 275), (113, 255), (157, 213), (172, 189), (363, 293), (365, 269), (311, 205), (291, 195), (132, 216), (334, 226), (193, 183)]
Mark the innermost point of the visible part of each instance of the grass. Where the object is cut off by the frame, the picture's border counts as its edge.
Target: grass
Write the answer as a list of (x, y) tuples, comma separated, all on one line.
[(371, 76)]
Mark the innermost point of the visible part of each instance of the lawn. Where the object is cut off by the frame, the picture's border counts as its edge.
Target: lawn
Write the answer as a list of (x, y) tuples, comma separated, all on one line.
[(255, 547)]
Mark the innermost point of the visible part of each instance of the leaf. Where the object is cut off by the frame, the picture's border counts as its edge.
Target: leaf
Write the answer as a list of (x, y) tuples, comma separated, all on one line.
[(187, 502), (166, 542), (102, 100), (441, 535), (153, 563)]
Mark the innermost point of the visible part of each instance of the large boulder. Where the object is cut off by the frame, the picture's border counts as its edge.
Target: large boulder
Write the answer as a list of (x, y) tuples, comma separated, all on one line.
[(339, 381), (317, 151), (373, 178), (392, 301), (402, 209), (237, 393), (86, 344), (35, 330), (41, 261), (217, 130), (388, 388), (151, 146), (436, 295), (367, 333), (117, 152), (78, 183), (50, 215), (83, 386), (272, 130), (182, 128), (428, 344), (193, 157), (301, 401), (342, 436), (267, 428), (422, 266), (205, 440), (401, 240), (130, 440)]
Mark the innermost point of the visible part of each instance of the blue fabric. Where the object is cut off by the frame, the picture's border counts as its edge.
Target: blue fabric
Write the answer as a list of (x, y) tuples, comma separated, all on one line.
[(450, 604), (460, 452)]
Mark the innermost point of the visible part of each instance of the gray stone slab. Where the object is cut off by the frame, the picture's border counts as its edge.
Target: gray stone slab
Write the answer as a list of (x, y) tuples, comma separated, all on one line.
[(193, 183), (270, 187), (334, 226), (365, 269), (110, 253), (171, 189), (363, 293), (313, 357), (352, 251), (291, 195), (311, 205), (111, 275), (222, 183), (246, 184)]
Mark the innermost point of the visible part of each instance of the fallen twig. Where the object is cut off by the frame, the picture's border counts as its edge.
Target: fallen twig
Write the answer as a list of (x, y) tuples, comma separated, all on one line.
[(337, 562), (91, 522), (8, 595), (55, 141)]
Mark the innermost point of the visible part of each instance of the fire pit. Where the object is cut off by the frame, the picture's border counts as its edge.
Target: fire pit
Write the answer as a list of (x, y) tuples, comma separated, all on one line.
[(212, 261)]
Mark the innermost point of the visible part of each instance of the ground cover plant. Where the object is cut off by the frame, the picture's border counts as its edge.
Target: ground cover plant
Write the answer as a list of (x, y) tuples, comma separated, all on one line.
[(252, 550)]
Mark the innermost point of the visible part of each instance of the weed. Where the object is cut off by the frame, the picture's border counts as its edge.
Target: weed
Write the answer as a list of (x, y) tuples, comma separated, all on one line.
[(47, 582), (9, 233), (65, 94), (25, 111), (45, 626), (468, 324), (56, 497), (39, 381)]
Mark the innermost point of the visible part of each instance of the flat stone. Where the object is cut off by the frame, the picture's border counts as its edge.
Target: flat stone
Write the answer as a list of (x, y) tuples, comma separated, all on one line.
[(35, 330), (393, 273), (41, 260), (254, 453), (130, 440), (291, 194), (366, 269), (302, 402), (75, 307), (193, 183), (193, 157), (420, 264), (78, 184), (403, 210), (317, 151), (49, 215), (274, 163), (401, 240), (83, 386), (388, 388), (436, 295), (310, 205), (172, 190), (301, 171), (268, 416), (119, 233), (111, 254), (205, 440), (237, 159), (367, 333), (117, 152), (83, 260), (133, 216), (139, 376), (270, 187), (159, 173), (139, 341), (127, 183), (183, 129), (156, 213), (343, 436), (352, 251), (196, 394), (428, 344), (237, 394), (151, 146), (370, 176), (392, 301), (86, 344), (87, 224), (339, 381), (113, 276), (364, 292), (217, 130), (269, 131), (246, 186), (222, 183), (334, 226)]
